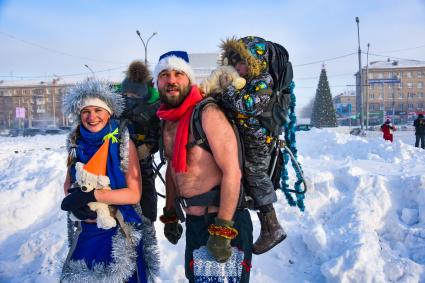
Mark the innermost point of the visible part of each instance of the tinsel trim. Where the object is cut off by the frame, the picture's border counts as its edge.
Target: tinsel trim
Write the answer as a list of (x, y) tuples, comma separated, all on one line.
[(124, 149), (75, 96), (150, 246), (291, 143), (122, 267)]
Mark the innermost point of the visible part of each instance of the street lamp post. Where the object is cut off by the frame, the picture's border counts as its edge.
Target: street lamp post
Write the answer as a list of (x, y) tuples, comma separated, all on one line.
[(360, 75), (367, 86), (90, 69), (145, 45)]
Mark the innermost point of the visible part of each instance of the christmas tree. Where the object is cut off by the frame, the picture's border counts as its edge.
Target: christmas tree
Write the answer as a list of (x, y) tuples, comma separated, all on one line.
[(323, 114)]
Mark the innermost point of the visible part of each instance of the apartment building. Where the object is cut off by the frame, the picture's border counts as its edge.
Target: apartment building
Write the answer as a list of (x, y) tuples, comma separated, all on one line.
[(345, 107), (32, 105), (392, 89)]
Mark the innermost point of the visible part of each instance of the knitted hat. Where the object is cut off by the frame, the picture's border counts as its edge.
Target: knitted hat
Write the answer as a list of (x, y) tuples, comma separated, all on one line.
[(91, 93), (174, 60)]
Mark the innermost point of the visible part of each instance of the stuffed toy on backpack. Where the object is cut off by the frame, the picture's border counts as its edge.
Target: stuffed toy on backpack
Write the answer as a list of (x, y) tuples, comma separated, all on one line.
[(212, 83)]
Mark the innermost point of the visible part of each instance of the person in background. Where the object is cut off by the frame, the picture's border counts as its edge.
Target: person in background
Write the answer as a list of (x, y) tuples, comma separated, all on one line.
[(126, 252), (141, 103), (252, 58), (419, 125), (387, 129)]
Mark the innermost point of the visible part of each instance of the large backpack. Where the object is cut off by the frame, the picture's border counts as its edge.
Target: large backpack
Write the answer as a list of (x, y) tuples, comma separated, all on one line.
[(278, 117), (274, 117), (277, 169)]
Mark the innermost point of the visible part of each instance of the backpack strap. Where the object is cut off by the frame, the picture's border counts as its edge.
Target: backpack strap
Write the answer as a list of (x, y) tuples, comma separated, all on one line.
[(201, 140), (196, 125)]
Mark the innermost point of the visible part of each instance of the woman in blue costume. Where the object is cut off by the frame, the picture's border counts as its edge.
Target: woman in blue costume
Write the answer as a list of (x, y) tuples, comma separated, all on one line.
[(128, 251)]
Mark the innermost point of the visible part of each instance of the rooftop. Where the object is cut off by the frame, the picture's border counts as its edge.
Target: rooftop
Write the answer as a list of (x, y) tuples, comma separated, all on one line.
[(396, 63)]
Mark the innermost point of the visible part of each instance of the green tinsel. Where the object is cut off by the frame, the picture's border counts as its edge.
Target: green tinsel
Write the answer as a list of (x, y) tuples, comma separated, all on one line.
[(291, 144)]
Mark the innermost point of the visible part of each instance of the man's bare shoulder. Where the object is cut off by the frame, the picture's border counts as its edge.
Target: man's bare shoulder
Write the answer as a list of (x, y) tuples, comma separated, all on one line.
[(212, 111)]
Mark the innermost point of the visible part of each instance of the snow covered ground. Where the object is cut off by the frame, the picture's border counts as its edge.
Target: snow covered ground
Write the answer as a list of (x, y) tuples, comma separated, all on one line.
[(364, 218)]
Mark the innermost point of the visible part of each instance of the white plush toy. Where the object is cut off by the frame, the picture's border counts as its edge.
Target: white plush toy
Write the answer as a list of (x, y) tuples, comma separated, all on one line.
[(212, 83), (88, 182)]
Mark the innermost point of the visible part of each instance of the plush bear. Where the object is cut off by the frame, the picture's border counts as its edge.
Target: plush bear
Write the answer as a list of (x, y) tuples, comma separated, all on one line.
[(88, 182), (227, 73)]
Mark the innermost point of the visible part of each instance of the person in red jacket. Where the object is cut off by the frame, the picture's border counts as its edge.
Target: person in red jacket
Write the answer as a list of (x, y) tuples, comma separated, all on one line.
[(387, 128)]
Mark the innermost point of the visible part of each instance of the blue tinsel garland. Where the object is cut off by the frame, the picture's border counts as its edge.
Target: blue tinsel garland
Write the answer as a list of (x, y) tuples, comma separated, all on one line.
[(291, 144)]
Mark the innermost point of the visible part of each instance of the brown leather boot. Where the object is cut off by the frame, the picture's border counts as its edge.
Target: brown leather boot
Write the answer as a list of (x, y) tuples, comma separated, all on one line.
[(271, 233)]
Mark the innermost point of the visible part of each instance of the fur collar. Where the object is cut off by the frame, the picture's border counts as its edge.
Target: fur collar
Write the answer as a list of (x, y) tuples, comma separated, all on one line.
[(233, 44)]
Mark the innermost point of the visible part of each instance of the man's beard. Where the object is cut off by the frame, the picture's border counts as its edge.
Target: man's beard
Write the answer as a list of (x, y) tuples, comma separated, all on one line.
[(173, 101)]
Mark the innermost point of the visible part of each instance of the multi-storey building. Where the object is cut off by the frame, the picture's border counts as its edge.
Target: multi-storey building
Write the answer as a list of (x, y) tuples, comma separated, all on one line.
[(40, 105), (392, 89), (35, 105), (345, 106)]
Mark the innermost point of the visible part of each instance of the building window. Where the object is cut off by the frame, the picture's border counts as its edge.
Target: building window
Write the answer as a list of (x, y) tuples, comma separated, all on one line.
[(409, 74), (409, 85), (410, 106), (419, 74), (400, 95), (420, 85), (381, 96), (372, 96), (420, 105), (420, 94), (380, 76)]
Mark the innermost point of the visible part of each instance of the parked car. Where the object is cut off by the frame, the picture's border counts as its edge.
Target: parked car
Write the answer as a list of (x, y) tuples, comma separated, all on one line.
[(14, 132), (29, 132), (303, 127), (54, 131), (66, 128), (357, 132)]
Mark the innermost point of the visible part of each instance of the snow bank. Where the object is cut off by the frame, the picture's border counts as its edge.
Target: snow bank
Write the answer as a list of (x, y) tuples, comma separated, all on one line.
[(364, 218)]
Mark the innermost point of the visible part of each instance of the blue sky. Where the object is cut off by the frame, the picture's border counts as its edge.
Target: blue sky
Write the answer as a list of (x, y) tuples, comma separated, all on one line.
[(42, 38)]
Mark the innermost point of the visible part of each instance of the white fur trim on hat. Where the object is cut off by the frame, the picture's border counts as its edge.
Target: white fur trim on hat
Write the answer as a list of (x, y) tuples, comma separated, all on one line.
[(173, 63), (94, 101)]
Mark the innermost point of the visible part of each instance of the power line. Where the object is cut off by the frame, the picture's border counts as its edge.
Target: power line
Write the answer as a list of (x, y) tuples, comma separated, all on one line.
[(63, 75), (387, 56), (325, 60), (404, 49), (53, 50), (317, 77)]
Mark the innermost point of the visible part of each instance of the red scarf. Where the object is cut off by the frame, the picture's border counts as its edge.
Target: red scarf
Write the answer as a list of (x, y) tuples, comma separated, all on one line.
[(181, 114)]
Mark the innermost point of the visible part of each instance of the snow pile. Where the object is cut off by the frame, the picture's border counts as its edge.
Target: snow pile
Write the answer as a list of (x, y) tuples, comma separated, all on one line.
[(364, 218)]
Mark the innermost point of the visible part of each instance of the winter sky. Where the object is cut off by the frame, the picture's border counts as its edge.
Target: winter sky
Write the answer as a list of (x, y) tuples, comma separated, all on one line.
[(40, 39)]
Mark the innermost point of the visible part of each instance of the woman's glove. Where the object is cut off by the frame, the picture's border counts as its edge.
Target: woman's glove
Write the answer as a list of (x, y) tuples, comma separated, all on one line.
[(77, 199), (84, 213), (221, 233), (173, 230)]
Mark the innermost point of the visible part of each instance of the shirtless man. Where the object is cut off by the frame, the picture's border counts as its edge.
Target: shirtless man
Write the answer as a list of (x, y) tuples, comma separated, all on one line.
[(193, 171)]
